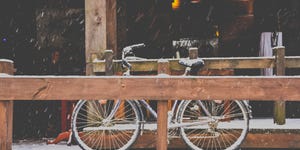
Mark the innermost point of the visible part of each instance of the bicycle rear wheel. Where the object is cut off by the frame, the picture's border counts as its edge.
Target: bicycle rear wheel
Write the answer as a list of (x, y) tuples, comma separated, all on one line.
[(105, 124), (210, 125)]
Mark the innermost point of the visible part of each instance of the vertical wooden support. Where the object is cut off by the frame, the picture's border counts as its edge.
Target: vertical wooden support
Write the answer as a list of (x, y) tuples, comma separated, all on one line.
[(121, 27), (100, 29), (162, 112), (163, 67), (193, 53), (279, 106), (250, 7), (109, 70), (6, 110)]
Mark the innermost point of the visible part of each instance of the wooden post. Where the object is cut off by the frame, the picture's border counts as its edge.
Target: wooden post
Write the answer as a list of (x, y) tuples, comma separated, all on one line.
[(109, 70), (6, 110), (279, 106), (162, 111), (193, 53), (100, 29), (121, 25), (250, 7)]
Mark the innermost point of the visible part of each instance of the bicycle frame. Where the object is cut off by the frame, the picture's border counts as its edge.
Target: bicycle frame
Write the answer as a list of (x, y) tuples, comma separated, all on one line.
[(170, 114)]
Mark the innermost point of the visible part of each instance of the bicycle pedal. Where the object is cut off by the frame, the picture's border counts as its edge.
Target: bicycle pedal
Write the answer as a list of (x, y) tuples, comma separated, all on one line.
[(195, 107)]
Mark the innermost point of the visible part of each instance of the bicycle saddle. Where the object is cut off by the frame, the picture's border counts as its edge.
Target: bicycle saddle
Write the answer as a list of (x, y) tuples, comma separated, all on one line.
[(193, 63)]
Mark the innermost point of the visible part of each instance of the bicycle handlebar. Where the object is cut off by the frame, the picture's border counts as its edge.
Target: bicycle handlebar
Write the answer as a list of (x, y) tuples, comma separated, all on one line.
[(136, 46), (194, 64), (129, 49)]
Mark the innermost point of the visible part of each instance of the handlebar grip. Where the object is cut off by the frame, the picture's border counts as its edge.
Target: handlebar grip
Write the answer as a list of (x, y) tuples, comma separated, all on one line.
[(137, 46), (129, 49)]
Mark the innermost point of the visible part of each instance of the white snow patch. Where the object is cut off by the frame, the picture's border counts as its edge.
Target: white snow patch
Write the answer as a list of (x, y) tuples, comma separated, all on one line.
[(41, 145), (6, 60)]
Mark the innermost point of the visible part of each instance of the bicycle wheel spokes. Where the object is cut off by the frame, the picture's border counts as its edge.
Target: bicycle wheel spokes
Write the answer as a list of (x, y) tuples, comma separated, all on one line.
[(104, 124), (215, 125)]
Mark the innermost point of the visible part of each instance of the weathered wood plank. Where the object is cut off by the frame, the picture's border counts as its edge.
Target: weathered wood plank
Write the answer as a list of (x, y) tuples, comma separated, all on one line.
[(109, 70), (162, 112), (6, 114), (210, 63), (239, 63), (111, 24), (6, 66), (95, 28), (261, 139), (279, 106), (292, 61), (100, 29), (149, 87), (6, 111), (162, 129), (272, 140), (121, 26)]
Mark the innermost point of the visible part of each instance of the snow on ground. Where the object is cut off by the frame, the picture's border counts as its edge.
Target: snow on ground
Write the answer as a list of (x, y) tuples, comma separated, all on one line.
[(262, 124), (268, 123), (41, 145)]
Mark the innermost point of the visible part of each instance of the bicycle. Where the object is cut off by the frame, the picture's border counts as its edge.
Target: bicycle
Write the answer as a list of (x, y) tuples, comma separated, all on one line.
[(203, 124)]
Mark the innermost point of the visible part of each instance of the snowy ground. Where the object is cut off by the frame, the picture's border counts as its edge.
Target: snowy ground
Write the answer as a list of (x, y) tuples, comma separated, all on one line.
[(260, 124), (41, 145), (268, 123)]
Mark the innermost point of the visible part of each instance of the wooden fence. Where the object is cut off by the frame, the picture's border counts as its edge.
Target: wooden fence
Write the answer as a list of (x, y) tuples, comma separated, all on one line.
[(160, 88), (210, 63), (280, 62)]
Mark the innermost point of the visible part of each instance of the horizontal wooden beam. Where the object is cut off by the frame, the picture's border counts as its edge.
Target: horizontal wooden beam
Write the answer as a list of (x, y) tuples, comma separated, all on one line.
[(264, 139), (292, 61), (210, 63), (263, 133), (148, 87)]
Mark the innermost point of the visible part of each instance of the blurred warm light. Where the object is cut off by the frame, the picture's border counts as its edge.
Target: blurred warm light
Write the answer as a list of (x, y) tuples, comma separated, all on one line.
[(195, 1), (176, 4), (217, 33)]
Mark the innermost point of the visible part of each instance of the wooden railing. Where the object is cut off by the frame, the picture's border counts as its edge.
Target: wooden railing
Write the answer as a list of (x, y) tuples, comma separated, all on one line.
[(279, 62), (149, 87), (210, 63), (160, 88)]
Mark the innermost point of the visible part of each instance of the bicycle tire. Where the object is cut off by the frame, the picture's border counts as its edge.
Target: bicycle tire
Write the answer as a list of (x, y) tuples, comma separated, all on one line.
[(92, 130), (226, 128)]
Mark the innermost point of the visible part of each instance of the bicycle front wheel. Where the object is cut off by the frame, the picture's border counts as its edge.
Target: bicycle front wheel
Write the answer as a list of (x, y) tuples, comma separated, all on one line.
[(213, 124), (105, 124)]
